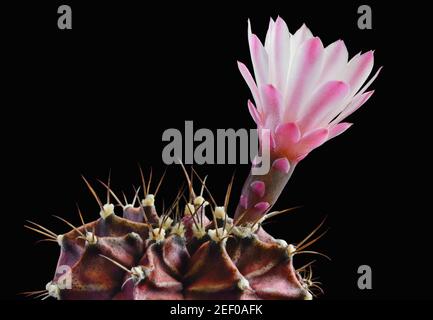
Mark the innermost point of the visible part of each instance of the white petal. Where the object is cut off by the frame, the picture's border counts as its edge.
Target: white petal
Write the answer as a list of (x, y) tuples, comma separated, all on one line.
[(268, 36), (355, 104), (259, 58), (368, 84), (306, 69), (335, 59), (330, 95), (357, 70), (251, 84), (279, 55)]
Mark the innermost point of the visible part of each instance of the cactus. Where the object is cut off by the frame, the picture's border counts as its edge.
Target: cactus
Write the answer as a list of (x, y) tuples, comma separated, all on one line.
[(193, 249), (178, 254)]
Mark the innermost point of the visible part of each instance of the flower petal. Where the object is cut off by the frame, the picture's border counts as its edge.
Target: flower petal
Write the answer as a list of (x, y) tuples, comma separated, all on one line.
[(272, 105), (279, 54), (304, 72), (258, 188), (355, 104), (368, 84), (259, 58), (250, 82), (301, 35), (269, 35), (328, 96), (313, 139), (338, 129), (335, 59), (357, 71), (282, 165), (288, 132), (255, 114)]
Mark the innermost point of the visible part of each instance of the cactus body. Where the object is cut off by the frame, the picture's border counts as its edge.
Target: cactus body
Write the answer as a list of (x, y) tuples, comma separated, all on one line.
[(191, 257)]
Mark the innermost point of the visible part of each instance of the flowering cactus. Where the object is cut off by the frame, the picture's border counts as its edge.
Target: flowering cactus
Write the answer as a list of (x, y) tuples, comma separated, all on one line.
[(302, 93)]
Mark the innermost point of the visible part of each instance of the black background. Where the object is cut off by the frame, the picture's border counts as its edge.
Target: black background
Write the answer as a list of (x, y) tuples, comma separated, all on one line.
[(98, 97)]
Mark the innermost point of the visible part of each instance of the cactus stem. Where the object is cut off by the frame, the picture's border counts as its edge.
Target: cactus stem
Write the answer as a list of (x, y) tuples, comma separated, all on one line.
[(258, 188)]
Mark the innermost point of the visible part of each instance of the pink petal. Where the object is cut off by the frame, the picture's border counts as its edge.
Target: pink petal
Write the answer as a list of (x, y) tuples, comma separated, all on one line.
[(265, 133), (288, 132), (258, 188), (271, 99), (368, 84), (255, 114), (328, 96), (355, 104), (313, 139), (338, 129), (358, 69), (243, 201), (282, 165), (335, 59), (262, 206), (279, 54), (250, 82), (259, 58), (304, 72)]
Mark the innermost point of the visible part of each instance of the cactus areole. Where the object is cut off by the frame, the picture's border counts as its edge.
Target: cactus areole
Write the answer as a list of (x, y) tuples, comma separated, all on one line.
[(195, 248)]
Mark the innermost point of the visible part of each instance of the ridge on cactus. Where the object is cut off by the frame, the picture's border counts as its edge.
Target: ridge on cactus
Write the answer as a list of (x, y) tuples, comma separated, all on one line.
[(196, 248)]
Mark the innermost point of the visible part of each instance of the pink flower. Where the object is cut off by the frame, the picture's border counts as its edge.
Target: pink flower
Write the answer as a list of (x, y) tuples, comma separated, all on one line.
[(302, 90)]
